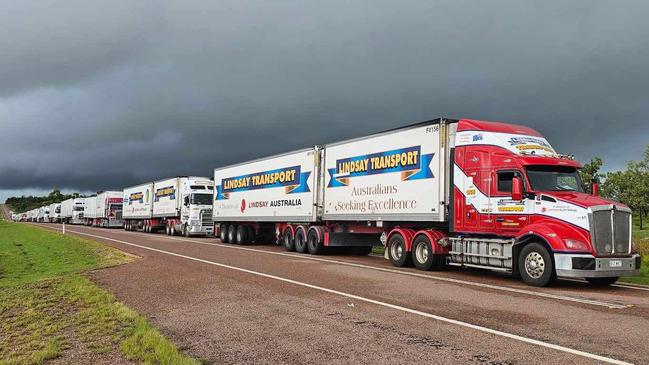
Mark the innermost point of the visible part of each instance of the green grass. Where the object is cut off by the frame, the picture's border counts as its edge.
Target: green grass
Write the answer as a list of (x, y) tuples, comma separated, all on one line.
[(641, 242), (47, 305)]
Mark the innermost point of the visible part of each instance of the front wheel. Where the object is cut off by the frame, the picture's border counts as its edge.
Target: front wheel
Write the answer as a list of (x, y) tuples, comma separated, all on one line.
[(602, 281), (186, 231), (535, 265)]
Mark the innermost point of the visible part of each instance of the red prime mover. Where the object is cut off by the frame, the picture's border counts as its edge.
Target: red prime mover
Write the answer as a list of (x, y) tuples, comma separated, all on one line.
[(443, 192)]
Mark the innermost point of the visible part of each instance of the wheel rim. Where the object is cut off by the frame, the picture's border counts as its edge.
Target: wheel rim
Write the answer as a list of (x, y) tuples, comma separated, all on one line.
[(422, 253), (534, 265), (396, 251)]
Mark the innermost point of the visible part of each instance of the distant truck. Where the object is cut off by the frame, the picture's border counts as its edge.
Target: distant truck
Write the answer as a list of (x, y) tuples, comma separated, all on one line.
[(179, 205), (43, 214), (55, 213), (72, 211), (462, 193), (104, 210)]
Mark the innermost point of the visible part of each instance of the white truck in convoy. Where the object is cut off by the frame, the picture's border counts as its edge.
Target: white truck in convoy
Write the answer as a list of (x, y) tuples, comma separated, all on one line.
[(179, 205), (104, 210), (43, 214), (72, 211), (55, 213)]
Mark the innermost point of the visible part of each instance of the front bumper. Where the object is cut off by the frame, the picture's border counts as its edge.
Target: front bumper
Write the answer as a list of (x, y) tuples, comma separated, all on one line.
[(200, 230), (589, 266)]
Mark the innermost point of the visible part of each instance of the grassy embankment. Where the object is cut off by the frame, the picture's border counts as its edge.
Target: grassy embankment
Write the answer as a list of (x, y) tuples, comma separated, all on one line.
[(49, 309), (641, 240)]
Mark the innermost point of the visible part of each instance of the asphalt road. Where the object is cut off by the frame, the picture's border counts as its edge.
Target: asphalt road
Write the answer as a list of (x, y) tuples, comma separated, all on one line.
[(259, 304), (4, 212)]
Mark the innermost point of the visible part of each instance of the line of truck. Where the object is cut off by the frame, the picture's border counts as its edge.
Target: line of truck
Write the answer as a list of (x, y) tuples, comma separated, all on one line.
[(444, 192)]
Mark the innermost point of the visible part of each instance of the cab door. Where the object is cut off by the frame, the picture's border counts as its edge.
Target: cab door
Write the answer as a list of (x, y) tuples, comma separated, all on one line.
[(509, 216)]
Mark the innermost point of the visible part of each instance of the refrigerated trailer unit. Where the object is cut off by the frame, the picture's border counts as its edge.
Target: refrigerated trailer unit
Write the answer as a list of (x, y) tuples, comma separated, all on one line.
[(55, 213), (444, 192), (43, 214), (179, 205), (72, 211)]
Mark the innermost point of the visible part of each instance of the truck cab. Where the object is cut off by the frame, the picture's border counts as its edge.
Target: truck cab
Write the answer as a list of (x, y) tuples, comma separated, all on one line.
[(78, 206), (520, 206), (196, 209)]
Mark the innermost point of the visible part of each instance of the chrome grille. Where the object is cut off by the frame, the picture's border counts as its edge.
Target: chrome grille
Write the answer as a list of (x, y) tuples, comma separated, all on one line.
[(610, 230), (206, 217)]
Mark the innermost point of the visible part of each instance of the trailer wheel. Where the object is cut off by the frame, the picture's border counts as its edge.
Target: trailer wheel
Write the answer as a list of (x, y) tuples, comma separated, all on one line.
[(287, 242), (423, 254), (313, 243), (232, 233), (223, 233), (535, 265), (300, 241), (242, 235), (397, 253)]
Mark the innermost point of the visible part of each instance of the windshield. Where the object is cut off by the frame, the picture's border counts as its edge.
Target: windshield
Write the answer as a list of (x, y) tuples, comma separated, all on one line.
[(554, 178), (201, 199)]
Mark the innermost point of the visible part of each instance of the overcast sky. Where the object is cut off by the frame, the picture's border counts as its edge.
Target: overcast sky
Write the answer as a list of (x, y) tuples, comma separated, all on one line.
[(98, 95)]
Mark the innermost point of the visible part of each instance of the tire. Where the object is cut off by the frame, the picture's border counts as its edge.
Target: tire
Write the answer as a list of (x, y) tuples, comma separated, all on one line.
[(535, 265), (300, 241), (423, 254), (232, 233), (287, 240), (172, 230), (241, 235), (397, 253), (223, 233), (602, 281), (186, 231), (313, 243)]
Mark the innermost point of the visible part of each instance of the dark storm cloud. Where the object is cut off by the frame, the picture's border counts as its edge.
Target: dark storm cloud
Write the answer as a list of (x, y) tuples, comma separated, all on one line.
[(95, 97)]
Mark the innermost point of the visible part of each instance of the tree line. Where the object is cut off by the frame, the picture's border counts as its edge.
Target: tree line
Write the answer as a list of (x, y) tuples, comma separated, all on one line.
[(630, 186), (25, 203)]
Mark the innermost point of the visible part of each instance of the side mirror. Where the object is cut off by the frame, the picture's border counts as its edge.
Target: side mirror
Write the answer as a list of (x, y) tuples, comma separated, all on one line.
[(595, 189), (517, 189), (187, 201)]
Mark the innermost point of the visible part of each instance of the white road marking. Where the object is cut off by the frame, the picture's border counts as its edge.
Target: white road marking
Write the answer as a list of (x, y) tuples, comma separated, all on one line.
[(426, 276), (379, 303), (432, 277), (396, 271), (626, 286)]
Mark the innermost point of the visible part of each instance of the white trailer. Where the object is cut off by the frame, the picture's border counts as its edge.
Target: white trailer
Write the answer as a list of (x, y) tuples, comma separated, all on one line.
[(138, 202), (175, 205), (72, 211), (90, 211), (55, 213), (282, 188)]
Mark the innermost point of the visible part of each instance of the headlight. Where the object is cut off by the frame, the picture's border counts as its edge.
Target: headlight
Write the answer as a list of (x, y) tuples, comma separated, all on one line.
[(576, 245)]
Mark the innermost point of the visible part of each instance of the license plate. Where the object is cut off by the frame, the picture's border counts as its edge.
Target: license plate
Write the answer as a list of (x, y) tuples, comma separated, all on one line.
[(615, 263)]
